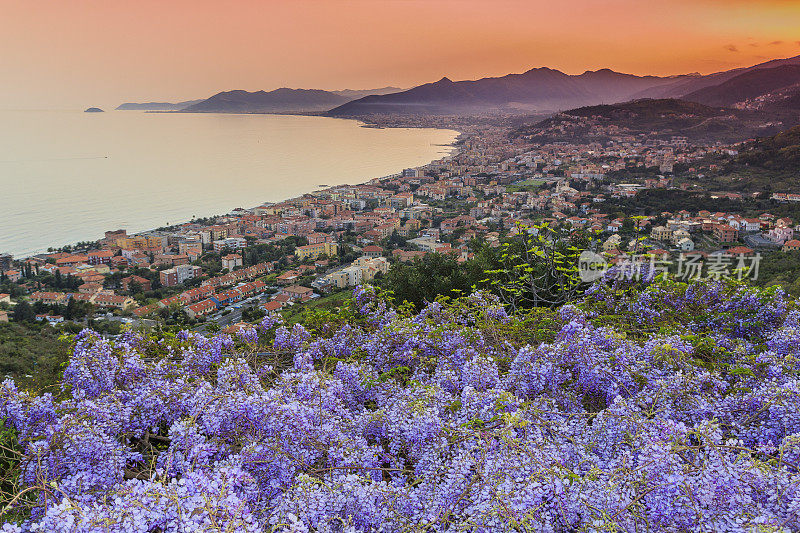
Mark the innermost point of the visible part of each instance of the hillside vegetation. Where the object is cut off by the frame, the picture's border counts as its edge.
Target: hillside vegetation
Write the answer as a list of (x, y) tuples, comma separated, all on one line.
[(780, 152), (663, 119)]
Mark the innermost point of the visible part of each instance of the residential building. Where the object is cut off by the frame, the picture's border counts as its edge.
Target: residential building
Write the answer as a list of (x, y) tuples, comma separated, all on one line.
[(313, 251), (298, 293), (201, 308), (97, 257), (116, 301), (790, 246), (725, 233), (231, 261), (179, 274), (372, 251), (50, 298), (660, 233), (144, 283), (685, 245)]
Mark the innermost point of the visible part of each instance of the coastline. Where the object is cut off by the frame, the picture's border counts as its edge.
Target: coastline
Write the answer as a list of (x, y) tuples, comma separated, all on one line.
[(452, 151)]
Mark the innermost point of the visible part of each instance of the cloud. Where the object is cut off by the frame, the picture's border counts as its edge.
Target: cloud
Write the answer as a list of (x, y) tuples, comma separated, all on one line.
[(731, 48), (797, 43), (775, 43)]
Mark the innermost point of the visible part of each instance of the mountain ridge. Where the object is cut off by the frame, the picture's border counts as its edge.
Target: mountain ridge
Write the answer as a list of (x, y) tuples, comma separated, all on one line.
[(543, 89), (156, 106), (279, 100)]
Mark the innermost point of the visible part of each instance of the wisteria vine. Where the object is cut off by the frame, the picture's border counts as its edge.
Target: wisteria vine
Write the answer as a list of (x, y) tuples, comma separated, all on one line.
[(662, 407)]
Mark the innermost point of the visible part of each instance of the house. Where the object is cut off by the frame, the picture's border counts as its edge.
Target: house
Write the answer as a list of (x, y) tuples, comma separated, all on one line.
[(298, 293), (791, 245), (3, 316), (685, 245), (90, 288), (232, 243), (231, 261), (115, 301), (13, 275), (72, 260), (740, 250), (5, 298), (146, 310), (317, 238), (780, 234), (227, 297), (288, 277), (612, 243), (50, 298), (272, 306), (372, 251), (144, 283), (50, 319), (201, 308), (371, 266)]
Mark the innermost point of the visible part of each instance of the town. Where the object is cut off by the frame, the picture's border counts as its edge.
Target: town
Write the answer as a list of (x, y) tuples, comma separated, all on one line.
[(220, 273)]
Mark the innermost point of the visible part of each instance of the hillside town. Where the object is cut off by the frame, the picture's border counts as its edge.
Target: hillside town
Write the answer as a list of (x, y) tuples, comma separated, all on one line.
[(306, 249)]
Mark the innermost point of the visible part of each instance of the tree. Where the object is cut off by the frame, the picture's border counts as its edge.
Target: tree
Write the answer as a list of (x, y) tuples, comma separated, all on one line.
[(433, 275), (134, 287), (23, 312), (539, 268)]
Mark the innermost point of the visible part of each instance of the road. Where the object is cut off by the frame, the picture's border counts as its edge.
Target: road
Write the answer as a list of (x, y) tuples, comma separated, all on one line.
[(235, 314)]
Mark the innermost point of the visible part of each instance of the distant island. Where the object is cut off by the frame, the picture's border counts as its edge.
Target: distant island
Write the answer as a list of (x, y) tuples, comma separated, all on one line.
[(93, 110)]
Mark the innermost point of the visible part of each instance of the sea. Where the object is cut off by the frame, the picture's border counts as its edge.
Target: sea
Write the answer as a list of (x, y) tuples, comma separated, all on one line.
[(68, 176)]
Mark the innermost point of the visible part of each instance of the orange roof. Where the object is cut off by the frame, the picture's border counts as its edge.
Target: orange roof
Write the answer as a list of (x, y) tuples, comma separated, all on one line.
[(740, 250), (272, 306)]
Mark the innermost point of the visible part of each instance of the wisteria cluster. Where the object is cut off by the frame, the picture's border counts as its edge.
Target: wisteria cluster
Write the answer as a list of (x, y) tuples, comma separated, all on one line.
[(440, 421)]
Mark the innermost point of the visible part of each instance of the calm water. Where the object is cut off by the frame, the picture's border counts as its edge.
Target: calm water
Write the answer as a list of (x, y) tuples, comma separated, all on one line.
[(68, 176)]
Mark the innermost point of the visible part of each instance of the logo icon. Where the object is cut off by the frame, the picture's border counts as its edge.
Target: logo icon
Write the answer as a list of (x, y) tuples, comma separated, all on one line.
[(591, 266)]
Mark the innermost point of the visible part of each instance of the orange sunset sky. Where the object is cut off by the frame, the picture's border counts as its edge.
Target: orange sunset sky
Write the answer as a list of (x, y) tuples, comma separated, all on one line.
[(72, 53)]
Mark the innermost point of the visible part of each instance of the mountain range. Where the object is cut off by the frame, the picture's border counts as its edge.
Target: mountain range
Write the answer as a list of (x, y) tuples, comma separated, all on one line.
[(547, 90), (278, 101), (156, 106), (772, 86)]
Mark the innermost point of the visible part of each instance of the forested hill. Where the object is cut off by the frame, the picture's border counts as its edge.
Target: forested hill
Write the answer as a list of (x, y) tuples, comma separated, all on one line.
[(779, 152), (662, 118)]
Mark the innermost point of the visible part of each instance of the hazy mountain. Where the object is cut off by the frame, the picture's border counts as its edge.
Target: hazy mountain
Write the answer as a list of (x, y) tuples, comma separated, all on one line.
[(544, 89), (278, 101), (352, 94), (538, 89), (746, 86), (690, 84), (156, 106)]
